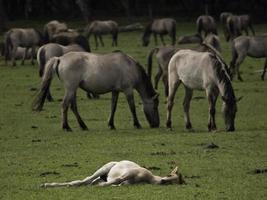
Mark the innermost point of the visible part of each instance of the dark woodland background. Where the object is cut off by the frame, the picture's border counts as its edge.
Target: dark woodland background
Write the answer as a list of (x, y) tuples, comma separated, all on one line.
[(88, 10)]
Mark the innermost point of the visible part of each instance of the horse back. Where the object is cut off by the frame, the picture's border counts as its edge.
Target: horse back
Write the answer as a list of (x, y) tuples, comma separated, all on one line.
[(193, 68), (99, 73)]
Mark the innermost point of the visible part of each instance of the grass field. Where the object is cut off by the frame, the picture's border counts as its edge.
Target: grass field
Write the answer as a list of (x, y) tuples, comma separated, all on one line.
[(35, 150)]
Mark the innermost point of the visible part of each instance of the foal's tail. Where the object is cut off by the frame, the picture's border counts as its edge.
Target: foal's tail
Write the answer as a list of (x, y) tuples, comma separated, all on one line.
[(149, 61), (50, 67), (8, 46), (173, 33)]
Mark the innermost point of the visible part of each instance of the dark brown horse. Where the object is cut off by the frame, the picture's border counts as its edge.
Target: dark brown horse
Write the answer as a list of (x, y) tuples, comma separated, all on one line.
[(206, 24), (160, 27)]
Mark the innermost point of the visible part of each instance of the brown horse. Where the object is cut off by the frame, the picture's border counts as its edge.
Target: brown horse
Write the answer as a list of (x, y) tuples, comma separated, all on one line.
[(206, 24), (160, 27)]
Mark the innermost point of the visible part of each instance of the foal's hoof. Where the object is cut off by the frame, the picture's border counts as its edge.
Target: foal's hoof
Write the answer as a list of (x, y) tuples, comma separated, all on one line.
[(190, 130), (84, 128)]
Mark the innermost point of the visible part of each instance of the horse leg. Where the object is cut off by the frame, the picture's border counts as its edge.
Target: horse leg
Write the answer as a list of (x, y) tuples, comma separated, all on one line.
[(96, 42), (24, 55), (130, 100), (264, 70), (186, 104), (32, 55), (14, 50), (76, 113), (239, 60), (101, 40), (212, 98), (114, 100), (162, 40), (157, 77), (155, 38), (103, 171), (65, 106), (172, 91), (49, 96), (166, 85)]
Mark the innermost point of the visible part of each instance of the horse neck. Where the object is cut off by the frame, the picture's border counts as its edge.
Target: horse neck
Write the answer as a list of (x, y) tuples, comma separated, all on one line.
[(144, 86)]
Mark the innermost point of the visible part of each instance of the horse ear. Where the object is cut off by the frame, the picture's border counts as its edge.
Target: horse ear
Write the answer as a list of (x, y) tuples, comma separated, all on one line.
[(239, 98), (175, 170)]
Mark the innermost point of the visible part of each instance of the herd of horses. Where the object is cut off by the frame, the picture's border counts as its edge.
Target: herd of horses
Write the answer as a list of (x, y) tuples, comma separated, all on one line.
[(66, 53)]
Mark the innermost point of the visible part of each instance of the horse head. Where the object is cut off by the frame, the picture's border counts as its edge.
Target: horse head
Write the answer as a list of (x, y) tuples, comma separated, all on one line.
[(175, 177), (146, 35), (151, 111), (229, 110)]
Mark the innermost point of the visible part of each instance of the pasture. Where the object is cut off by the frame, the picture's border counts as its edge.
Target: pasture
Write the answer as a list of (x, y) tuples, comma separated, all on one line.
[(35, 150)]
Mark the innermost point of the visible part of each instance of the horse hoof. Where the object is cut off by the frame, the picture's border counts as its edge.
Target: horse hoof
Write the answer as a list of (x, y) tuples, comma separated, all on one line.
[(67, 129), (111, 127), (190, 130), (85, 128), (138, 126)]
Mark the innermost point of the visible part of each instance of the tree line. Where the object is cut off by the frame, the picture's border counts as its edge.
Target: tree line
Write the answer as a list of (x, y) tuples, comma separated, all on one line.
[(88, 10)]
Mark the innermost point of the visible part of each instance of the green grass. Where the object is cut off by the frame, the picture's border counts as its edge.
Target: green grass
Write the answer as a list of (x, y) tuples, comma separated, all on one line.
[(33, 143)]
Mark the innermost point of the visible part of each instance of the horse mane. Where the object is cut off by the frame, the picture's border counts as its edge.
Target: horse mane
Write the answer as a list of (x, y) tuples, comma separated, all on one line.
[(145, 79), (217, 54), (224, 78)]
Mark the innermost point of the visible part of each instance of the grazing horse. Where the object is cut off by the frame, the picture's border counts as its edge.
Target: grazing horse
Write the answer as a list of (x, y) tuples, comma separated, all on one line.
[(52, 28), (18, 37), (223, 20), (124, 172), (164, 54), (67, 38), (201, 71), (99, 28), (114, 72), (190, 39), (51, 50), (160, 27), (206, 24), (252, 46), (235, 24)]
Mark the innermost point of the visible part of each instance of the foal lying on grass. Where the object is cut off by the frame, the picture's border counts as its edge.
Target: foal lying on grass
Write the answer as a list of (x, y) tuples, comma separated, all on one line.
[(123, 173)]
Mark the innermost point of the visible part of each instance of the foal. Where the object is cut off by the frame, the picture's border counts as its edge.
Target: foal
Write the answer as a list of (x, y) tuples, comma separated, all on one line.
[(123, 173)]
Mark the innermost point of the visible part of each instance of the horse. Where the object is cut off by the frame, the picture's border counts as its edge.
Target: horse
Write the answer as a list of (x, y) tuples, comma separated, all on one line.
[(206, 23), (223, 20), (190, 39), (51, 50), (123, 172), (235, 24), (67, 38), (52, 28), (201, 71), (19, 37), (252, 46), (99, 28), (160, 27), (99, 74), (164, 54)]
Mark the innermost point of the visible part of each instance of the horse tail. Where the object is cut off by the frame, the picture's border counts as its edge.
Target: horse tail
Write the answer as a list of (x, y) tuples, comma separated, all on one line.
[(8, 45), (199, 25), (233, 61), (232, 29), (149, 61), (173, 33), (46, 38), (50, 67), (83, 42), (41, 60)]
